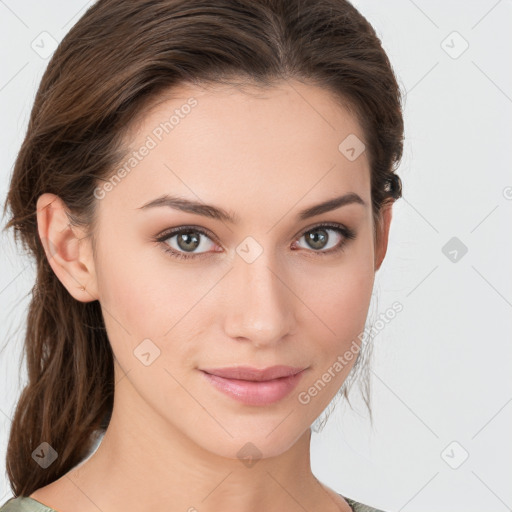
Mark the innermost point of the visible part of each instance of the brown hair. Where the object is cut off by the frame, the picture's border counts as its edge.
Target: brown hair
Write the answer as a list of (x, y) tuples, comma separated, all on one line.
[(107, 70)]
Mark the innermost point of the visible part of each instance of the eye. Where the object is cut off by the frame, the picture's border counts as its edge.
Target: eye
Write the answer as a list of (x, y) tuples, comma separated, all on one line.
[(322, 242), (186, 240)]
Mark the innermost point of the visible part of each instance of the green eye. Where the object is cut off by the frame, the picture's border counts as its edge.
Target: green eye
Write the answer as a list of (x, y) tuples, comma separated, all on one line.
[(190, 238)]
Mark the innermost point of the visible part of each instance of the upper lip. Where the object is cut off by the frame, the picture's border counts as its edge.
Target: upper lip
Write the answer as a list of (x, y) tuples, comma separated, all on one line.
[(255, 374)]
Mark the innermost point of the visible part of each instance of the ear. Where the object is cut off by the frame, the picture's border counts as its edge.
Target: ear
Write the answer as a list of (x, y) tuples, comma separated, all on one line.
[(67, 248), (381, 244)]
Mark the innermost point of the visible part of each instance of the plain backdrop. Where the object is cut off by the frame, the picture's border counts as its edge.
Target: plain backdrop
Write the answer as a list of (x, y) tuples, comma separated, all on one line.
[(441, 387)]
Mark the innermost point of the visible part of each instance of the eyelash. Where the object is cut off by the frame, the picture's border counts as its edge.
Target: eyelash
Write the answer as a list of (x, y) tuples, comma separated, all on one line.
[(347, 233)]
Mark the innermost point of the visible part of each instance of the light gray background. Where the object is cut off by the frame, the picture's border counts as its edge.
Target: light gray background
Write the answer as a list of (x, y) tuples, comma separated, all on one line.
[(441, 368)]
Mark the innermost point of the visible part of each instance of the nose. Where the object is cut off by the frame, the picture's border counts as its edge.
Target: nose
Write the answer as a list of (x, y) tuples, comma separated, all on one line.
[(260, 307)]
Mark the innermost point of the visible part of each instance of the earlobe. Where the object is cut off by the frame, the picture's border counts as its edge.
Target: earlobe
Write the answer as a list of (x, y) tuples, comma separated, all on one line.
[(69, 253), (383, 234)]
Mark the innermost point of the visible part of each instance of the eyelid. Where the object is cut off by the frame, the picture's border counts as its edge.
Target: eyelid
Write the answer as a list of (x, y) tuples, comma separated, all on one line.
[(346, 232), (169, 233)]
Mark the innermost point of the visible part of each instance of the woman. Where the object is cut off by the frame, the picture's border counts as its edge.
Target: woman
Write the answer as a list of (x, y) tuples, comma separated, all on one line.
[(207, 189)]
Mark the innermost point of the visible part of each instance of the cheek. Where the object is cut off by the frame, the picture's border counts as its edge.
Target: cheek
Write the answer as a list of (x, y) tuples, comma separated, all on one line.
[(129, 298), (137, 286), (145, 297), (340, 304), (125, 283), (340, 314), (340, 295)]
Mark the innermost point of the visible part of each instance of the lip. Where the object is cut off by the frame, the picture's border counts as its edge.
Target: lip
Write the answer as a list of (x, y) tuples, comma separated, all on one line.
[(253, 386)]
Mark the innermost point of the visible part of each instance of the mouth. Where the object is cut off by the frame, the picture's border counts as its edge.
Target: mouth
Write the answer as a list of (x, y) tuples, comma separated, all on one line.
[(253, 386)]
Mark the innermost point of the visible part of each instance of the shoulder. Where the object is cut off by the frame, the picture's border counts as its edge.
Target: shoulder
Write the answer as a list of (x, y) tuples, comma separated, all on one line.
[(24, 504), (357, 507), (27, 504)]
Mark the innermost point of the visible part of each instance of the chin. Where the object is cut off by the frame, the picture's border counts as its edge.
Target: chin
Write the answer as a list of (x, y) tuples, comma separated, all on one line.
[(258, 440)]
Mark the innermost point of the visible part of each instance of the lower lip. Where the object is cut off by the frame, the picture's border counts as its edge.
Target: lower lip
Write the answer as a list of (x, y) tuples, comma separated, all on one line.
[(255, 393)]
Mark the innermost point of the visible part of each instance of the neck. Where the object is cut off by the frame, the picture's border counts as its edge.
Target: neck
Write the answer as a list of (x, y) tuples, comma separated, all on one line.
[(149, 463)]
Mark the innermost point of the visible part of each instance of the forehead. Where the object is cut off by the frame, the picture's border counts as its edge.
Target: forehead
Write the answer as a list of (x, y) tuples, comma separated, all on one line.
[(229, 144)]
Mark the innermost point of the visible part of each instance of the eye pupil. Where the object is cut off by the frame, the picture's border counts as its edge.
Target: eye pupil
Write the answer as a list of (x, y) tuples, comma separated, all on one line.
[(318, 241), (188, 239)]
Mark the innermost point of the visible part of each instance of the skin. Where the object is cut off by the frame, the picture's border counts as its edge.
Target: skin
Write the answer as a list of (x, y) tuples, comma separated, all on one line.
[(263, 155)]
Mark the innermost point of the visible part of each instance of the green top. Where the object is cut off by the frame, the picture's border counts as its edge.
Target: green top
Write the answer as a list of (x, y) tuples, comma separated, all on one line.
[(27, 504)]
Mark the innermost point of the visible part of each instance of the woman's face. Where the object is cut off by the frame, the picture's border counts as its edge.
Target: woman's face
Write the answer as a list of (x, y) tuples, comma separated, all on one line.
[(266, 287)]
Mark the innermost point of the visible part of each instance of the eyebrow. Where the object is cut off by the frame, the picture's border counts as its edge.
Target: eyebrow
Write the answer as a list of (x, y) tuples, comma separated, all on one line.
[(215, 212)]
